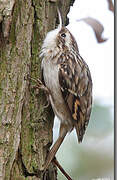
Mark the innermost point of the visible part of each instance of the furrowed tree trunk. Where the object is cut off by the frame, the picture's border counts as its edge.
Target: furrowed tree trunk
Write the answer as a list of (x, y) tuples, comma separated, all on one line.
[(25, 126)]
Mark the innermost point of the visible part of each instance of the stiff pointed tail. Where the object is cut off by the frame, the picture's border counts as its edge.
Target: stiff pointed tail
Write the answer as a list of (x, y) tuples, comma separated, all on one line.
[(80, 132)]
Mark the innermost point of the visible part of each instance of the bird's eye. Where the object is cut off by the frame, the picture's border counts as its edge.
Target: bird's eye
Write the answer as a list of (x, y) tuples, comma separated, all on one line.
[(63, 35)]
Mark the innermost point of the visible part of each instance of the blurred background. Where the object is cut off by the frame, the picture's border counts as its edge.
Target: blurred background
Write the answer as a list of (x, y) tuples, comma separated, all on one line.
[(92, 24)]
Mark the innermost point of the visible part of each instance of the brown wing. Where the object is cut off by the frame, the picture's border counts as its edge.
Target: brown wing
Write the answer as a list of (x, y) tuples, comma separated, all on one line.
[(76, 87)]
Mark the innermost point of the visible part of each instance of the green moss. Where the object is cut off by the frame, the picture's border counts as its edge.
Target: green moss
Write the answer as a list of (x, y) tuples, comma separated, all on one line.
[(12, 36), (10, 156), (20, 178)]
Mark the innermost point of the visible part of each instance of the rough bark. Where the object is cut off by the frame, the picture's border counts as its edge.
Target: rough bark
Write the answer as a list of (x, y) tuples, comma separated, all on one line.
[(25, 126)]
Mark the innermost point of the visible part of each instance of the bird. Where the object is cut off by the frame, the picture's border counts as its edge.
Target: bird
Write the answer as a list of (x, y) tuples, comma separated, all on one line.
[(67, 80)]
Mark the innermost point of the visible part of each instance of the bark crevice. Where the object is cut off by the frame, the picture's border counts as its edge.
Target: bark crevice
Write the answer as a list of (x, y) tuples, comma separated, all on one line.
[(25, 171)]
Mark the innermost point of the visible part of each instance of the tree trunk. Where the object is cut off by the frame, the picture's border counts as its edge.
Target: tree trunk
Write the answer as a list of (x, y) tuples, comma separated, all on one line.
[(25, 126)]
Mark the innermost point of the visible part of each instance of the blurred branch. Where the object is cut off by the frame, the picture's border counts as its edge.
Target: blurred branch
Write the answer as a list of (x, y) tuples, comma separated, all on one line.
[(110, 5), (61, 169), (97, 28)]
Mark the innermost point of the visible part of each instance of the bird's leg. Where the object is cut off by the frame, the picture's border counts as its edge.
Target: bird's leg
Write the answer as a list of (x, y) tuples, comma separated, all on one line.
[(52, 152)]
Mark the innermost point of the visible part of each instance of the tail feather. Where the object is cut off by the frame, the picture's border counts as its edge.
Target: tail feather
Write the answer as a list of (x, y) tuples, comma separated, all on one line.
[(80, 132)]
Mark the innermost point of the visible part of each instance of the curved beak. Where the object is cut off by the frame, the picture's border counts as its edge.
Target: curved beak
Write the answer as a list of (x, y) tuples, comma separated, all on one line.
[(60, 19)]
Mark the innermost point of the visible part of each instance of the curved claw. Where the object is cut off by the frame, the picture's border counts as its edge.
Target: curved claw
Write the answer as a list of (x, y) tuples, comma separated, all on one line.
[(39, 84), (47, 105)]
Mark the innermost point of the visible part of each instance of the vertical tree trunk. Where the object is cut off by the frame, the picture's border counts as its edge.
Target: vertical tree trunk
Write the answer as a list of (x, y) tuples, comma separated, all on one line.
[(25, 126)]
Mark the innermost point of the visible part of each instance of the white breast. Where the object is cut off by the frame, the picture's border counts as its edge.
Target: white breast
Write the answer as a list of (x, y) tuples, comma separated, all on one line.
[(51, 79), (50, 72)]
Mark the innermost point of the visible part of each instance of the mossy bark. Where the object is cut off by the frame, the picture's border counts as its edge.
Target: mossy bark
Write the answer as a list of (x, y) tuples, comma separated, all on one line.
[(25, 126)]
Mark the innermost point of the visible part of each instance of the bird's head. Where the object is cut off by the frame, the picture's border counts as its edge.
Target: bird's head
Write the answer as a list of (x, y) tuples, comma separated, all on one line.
[(59, 39)]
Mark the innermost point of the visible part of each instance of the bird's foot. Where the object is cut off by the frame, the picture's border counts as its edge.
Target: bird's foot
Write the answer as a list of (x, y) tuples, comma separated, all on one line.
[(39, 84)]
